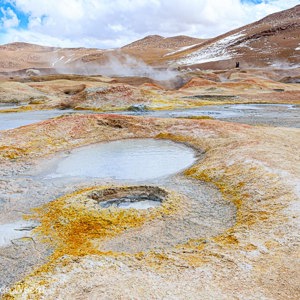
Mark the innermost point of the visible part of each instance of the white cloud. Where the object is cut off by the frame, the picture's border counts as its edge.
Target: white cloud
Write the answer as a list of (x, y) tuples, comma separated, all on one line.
[(14, 35), (113, 23), (9, 18), (259, 11)]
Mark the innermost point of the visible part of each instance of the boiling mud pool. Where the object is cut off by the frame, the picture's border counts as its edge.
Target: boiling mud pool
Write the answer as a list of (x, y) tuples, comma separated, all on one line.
[(132, 160)]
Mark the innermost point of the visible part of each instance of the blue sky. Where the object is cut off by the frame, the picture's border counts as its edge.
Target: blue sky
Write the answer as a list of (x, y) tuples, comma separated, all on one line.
[(253, 1), (113, 23), (22, 16)]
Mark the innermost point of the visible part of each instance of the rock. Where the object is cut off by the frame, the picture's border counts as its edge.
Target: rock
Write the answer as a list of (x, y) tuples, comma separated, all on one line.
[(138, 107), (33, 72), (73, 90)]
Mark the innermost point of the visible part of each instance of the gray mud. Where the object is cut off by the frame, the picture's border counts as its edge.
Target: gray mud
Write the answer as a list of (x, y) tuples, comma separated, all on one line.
[(22, 188)]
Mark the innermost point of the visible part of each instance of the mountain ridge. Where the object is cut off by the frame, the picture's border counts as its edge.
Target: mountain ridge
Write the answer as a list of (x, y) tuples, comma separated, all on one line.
[(271, 40)]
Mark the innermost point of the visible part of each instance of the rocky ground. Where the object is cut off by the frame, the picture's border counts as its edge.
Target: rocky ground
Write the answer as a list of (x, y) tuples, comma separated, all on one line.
[(229, 227), (182, 90)]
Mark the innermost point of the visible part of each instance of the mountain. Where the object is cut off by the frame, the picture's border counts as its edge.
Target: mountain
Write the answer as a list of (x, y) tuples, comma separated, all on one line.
[(157, 41), (21, 56), (150, 49), (158, 46), (273, 40)]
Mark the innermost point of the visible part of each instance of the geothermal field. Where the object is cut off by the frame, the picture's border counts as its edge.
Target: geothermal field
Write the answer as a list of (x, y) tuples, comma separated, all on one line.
[(159, 170)]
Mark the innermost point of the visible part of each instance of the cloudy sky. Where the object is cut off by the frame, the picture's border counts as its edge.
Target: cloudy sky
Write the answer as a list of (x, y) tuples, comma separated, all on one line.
[(114, 23)]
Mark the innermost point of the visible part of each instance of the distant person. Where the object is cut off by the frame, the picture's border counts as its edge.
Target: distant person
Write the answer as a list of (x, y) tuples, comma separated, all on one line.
[(237, 64)]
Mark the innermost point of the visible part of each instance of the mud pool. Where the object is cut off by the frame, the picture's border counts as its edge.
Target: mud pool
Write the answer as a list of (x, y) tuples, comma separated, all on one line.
[(137, 197), (131, 160), (254, 114), (13, 231), (4, 106), (18, 119), (150, 162), (138, 205), (285, 115)]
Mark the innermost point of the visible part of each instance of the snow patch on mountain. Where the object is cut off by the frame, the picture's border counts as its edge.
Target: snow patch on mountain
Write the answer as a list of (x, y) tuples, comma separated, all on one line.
[(213, 52), (181, 49)]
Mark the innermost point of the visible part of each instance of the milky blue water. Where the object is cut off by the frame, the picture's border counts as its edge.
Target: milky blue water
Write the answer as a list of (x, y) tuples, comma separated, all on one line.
[(132, 160)]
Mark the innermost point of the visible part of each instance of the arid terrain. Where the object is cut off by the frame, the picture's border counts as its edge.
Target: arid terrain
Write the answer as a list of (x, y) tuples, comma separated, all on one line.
[(223, 225)]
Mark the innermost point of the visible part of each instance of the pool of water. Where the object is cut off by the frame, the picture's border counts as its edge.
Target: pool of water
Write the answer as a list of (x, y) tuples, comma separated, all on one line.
[(221, 111), (136, 205), (286, 114), (261, 106), (4, 106), (129, 160), (13, 231), (14, 120)]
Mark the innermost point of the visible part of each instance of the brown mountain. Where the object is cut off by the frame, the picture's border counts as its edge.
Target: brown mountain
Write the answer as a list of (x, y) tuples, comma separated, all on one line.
[(273, 40), (157, 41), (150, 49), (22, 56), (158, 46)]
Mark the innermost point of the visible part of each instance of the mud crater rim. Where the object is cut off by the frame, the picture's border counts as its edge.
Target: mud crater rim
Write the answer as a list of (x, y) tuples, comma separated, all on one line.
[(137, 197)]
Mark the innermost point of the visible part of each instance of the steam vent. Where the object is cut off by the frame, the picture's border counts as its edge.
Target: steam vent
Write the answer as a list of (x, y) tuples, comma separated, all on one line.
[(167, 168)]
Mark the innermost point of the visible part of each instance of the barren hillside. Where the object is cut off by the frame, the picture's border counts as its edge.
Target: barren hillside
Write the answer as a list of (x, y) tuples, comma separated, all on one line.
[(272, 41)]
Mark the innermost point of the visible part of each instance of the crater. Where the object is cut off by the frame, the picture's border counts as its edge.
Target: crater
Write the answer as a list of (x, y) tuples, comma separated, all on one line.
[(137, 197)]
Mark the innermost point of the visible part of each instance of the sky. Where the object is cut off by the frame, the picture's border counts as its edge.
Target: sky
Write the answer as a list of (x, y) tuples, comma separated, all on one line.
[(114, 23)]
